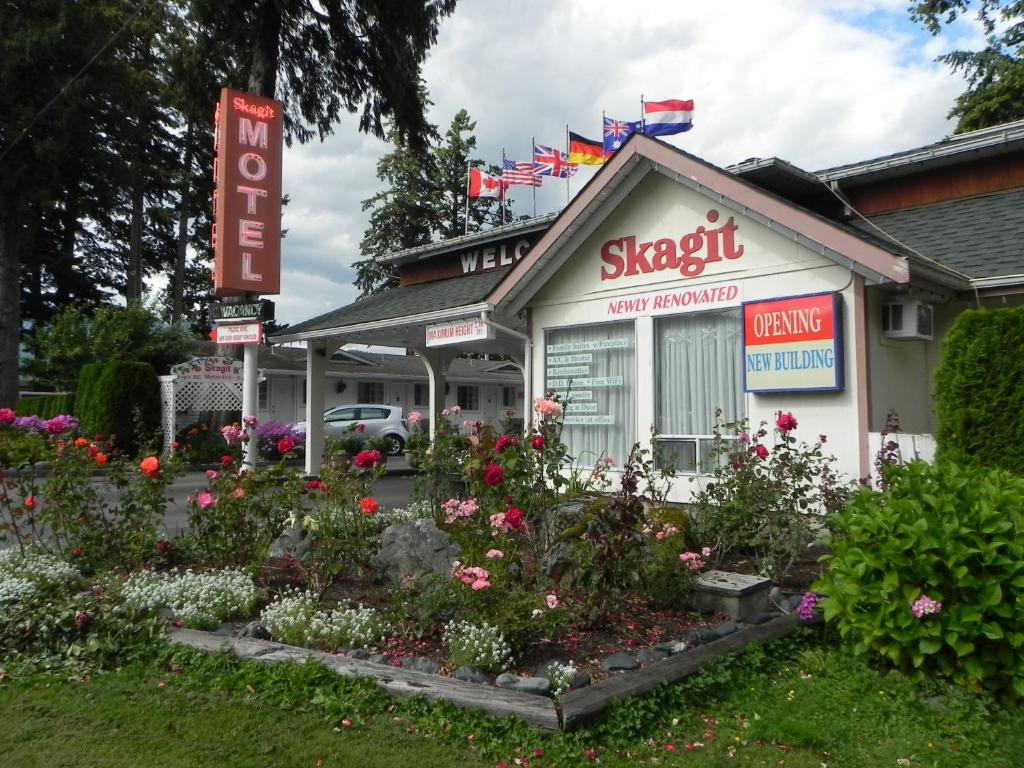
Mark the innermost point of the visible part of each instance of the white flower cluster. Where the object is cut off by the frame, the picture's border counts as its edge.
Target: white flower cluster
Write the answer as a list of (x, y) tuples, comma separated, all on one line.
[(37, 567), (560, 676), (14, 589), (289, 615), (417, 510), (198, 599), (477, 645), (350, 627)]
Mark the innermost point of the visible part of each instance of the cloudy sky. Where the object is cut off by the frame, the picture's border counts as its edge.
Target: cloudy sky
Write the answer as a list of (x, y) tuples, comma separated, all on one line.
[(815, 82)]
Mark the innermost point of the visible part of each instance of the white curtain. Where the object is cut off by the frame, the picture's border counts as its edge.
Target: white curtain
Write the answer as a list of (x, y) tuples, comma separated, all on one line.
[(698, 361), (605, 353)]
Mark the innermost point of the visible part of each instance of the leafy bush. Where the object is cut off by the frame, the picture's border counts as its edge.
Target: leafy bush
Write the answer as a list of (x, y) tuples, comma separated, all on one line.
[(770, 501), (930, 574), (978, 398)]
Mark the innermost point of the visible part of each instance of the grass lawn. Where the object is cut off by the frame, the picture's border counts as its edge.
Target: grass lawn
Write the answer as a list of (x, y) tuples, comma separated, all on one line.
[(803, 704)]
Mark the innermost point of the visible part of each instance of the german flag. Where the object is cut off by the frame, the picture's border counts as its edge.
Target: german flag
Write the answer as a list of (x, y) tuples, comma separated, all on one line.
[(583, 151)]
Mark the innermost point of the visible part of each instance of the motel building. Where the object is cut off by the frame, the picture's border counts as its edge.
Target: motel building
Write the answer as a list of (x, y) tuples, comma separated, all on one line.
[(670, 288)]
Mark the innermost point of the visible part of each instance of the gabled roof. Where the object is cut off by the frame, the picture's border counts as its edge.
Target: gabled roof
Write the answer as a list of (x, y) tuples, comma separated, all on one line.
[(431, 250), (641, 156)]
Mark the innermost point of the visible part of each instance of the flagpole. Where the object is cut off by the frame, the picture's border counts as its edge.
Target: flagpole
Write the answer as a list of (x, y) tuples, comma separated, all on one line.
[(469, 169), (643, 117), (501, 187), (533, 168), (568, 172)]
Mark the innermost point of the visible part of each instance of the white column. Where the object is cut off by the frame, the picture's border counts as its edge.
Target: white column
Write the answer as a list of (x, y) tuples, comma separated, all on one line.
[(250, 360), (316, 367), (436, 362)]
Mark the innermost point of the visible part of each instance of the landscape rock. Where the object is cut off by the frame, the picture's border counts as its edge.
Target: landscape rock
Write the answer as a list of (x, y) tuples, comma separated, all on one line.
[(473, 675), (379, 658), (620, 661), (761, 618), (539, 686), (360, 654), (557, 562), (415, 549), (294, 542), (582, 680), (254, 630), (424, 665), (726, 629), (650, 656)]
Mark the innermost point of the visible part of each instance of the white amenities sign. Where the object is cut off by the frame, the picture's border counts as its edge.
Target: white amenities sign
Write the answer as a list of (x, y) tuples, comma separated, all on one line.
[(462, 330)]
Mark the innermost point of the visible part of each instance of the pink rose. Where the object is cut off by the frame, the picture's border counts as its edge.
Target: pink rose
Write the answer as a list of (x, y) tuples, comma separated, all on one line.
[(785, 422), (285, 445), (761, 451), (205, 500), (494, 554), (551, 599)]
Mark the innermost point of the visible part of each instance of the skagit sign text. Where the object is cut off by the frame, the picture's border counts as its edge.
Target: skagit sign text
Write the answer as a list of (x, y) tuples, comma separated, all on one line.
[(247, 198), (689, 254)]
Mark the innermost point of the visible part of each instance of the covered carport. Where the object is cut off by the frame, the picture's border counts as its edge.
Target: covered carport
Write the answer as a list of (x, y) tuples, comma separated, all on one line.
[(455, 312)]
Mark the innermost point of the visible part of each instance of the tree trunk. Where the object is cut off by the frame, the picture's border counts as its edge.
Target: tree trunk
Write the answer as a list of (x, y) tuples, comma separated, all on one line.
[(178, 287), (10, 309), (133, 286), (266, 52)]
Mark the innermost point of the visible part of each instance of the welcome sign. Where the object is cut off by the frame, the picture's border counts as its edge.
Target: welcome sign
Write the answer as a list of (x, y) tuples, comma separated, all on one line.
[(793, 344)]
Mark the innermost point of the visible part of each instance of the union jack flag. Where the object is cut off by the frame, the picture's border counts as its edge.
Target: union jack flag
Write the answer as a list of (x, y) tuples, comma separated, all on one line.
[(518, 173), (548, 161), (616, 132)]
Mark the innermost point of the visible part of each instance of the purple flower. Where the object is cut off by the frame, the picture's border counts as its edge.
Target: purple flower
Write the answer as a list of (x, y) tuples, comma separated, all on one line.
[(924, 606), (29, 424), (808, 605)]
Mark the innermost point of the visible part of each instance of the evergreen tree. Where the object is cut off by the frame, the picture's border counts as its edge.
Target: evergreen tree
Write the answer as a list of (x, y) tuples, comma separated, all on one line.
[(995, 74), (424, 200)]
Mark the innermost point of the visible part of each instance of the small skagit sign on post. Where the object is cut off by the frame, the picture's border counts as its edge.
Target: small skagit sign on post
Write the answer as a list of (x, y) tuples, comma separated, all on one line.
[(793, 344), (247, 199)]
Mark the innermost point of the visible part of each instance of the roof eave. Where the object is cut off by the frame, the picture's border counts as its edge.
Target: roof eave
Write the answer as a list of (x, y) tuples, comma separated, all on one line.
[(439, 315)]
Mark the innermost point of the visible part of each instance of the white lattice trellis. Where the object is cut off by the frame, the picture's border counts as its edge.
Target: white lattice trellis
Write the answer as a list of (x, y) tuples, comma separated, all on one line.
[(181, 392)]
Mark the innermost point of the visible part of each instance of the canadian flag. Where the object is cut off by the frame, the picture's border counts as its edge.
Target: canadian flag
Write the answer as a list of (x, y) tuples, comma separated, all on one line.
[(483, 184)]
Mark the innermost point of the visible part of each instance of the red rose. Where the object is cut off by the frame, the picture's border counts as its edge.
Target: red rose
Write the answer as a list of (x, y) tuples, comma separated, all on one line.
[(150, 466), (101, 458), (76, 552), (493, 475), (285, 445), (785, 422), (504, 442), (30, 502), (83, 620), (175, 445), (761, 451), (225, 460), (368, 459), (537, 442), (313, 485), (161, 546), (514, 517), (368, 506)]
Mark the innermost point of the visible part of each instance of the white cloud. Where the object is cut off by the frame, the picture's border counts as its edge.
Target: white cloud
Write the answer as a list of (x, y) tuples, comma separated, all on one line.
[(816, 82)]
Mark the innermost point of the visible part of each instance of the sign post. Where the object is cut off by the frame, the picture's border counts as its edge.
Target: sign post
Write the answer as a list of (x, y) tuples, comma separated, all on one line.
[(247, 224)]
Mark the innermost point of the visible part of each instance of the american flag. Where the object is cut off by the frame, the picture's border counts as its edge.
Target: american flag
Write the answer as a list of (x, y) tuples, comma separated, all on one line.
[(548, 161), (518, 173)]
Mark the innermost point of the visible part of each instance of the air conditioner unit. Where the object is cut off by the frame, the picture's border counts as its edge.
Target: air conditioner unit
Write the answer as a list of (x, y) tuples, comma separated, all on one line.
[(907, 320)]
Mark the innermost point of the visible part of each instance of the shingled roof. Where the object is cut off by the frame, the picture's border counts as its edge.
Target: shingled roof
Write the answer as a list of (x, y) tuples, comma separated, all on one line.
[(979, 236)]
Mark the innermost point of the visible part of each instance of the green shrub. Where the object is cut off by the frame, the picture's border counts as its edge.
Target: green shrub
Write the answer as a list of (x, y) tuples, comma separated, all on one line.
[(949, 534), (46, 406), (122, 398), (979, 400)]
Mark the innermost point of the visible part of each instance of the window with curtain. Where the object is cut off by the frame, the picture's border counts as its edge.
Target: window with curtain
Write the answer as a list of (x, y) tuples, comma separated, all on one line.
[(595, 367), (698, 360), (370, 391)]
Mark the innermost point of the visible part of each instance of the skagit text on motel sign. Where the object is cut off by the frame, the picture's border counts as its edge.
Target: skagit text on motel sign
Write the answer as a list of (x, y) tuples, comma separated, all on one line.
[(247, 198)]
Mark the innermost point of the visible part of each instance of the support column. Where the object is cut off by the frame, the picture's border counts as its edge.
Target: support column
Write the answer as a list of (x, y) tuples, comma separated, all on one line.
[(317, 354), (250, 361), (436, 362)]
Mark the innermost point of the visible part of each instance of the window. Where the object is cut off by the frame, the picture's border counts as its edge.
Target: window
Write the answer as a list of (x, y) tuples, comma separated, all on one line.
[(468, 398), (421, 394), (341, 414), (263, 395), (593, 369), (508, 397), (370, 391), (698, 372)]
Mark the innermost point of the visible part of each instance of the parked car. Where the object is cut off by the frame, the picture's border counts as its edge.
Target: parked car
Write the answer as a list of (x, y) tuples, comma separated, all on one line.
[(385, 421)]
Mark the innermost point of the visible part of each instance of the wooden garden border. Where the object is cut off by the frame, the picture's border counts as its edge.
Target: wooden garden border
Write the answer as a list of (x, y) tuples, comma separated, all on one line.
[(572, 709)]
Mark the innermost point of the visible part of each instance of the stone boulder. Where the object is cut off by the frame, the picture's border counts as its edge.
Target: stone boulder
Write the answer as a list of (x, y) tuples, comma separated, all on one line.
[(294, 543), (414, 549)]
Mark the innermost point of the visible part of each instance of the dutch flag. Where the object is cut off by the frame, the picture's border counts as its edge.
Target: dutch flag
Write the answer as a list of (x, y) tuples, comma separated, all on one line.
[(663, 118)]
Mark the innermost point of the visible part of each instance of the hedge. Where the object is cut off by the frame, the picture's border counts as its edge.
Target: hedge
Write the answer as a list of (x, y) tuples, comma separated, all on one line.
[(979, 395), (120, 398), (46, 406)]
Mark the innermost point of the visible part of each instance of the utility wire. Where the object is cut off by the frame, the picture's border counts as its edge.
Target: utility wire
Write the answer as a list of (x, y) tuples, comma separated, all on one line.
[(7, 150)]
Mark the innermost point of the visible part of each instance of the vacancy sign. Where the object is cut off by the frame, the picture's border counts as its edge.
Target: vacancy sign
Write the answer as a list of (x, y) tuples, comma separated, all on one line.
[(240, 333), (454, 333), (793, 344)]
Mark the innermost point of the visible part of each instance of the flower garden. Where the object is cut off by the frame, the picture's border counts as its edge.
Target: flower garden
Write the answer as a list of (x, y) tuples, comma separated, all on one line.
[(549, 563)]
